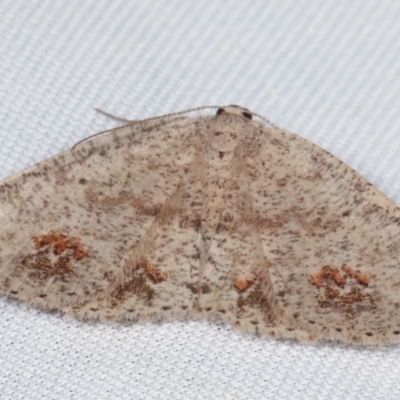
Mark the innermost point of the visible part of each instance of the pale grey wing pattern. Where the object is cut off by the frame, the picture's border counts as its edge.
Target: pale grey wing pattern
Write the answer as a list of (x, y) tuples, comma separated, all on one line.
[(331, 241), (69, 224)]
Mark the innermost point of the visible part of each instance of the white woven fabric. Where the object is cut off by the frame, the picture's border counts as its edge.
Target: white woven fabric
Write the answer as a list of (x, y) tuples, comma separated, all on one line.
[(328, 70)]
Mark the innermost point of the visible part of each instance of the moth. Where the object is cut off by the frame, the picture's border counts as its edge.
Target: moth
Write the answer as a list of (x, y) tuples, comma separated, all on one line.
[(221, 217)]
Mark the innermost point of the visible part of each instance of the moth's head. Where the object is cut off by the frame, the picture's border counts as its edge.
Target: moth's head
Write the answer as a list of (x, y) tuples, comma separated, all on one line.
[(229, 127), (236, 110)]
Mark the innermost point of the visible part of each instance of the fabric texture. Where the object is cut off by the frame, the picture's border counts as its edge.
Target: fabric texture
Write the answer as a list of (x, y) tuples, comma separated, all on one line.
[(328, 71)]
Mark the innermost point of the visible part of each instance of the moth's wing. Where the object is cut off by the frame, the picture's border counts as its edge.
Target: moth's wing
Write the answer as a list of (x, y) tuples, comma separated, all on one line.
[(68, 225), (331, 241), (160, 278)]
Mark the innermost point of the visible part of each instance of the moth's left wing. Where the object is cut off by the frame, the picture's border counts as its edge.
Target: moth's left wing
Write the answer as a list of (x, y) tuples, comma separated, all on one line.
[(68, 225)]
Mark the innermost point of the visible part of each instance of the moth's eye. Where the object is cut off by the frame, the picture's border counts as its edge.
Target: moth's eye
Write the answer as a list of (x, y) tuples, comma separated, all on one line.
[(247, 115), (220, 111)]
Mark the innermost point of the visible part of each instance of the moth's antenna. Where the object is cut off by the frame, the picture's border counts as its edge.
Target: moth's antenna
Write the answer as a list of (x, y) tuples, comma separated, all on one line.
[(108, 115), (265, 120), (151, 118), (128, 121)]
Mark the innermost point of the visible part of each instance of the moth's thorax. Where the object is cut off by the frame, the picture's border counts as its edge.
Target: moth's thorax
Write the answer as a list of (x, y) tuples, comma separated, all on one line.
[(228, 131)]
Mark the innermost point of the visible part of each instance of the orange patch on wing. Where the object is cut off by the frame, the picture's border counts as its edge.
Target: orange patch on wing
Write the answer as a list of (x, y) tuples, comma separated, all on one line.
[(345, 289), (61, 243), (151, 272), (54, 256), (361, 278), (138, 284), (328, 272), (243, 284)]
